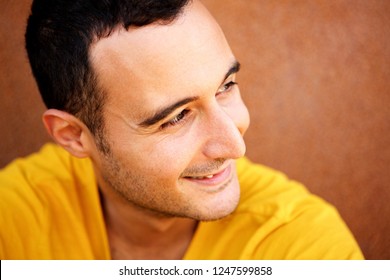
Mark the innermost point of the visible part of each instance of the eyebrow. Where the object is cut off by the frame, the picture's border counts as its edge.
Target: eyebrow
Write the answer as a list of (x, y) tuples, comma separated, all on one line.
[(164, 112), (233, 69)]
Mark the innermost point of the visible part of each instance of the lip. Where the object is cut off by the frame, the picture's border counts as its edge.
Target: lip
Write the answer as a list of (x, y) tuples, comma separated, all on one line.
[(221, 177)]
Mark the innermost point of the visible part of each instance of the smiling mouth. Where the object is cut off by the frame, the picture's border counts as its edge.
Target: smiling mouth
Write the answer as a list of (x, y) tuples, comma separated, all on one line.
[(221, 177)]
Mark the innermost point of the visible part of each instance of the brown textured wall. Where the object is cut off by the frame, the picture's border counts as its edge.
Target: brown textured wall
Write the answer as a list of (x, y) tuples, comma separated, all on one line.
[(20, 104), (315, 77)]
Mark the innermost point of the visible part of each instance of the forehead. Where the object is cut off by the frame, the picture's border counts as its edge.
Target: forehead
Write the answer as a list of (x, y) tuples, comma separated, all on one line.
[(157, 64)]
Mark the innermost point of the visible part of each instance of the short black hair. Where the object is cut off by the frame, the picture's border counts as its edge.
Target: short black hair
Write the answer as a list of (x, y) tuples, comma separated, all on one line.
[(58, 37)]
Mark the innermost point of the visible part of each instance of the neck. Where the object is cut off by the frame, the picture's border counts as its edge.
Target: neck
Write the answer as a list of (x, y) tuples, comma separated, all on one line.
[(137, 233)]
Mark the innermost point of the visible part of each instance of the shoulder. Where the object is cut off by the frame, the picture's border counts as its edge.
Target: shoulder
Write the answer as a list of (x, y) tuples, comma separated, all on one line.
[(48, 173), (51, 162), (266, 191), (38, 194), (288, 221)]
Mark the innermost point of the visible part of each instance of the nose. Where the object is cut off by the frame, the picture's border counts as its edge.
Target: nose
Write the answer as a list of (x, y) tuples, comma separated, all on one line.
[(224, 133)]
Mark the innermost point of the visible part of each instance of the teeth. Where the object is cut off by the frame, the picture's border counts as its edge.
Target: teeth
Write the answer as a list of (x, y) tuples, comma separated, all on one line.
[(204, 177)]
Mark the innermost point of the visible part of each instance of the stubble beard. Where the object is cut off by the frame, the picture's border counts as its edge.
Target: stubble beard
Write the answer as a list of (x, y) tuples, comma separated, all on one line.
[(134, 189)]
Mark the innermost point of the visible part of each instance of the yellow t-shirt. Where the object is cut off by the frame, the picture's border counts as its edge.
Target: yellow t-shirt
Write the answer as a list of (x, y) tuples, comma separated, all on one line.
[(50, 209)]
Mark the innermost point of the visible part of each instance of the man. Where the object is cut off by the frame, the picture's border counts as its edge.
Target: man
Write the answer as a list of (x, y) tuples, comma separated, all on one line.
[(148, 122)]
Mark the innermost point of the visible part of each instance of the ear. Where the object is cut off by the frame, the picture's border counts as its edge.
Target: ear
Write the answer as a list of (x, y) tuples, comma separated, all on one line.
[(68, 132)]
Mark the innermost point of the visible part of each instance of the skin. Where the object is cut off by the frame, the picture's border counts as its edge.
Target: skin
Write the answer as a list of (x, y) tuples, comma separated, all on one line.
[(152, 181)]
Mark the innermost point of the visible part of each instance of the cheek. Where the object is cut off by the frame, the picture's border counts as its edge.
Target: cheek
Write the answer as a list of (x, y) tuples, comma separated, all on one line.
[(156, 157), (174, 154), (164, 159)]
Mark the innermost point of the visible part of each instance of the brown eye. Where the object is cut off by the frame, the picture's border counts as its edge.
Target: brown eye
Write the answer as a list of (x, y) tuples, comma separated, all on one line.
[(177, 119), (226, 87)]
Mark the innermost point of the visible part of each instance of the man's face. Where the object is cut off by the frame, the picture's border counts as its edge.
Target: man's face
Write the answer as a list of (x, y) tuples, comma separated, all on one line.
[(174, 117)]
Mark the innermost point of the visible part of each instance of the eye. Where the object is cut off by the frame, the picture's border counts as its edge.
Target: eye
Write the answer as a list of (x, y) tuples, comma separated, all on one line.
[(176, 120), (226, 87)]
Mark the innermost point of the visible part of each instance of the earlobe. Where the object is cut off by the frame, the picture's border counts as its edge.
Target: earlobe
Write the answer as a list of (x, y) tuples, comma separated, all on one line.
[(67, 131)]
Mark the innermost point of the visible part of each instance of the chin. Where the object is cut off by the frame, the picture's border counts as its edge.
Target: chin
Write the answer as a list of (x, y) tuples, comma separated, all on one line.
[(217, 214), (220, 208)]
